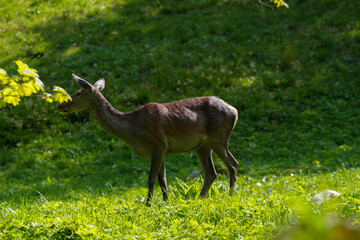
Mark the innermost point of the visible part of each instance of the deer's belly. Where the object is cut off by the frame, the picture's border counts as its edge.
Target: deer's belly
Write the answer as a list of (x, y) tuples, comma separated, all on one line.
[(174, 145), (184, 144)]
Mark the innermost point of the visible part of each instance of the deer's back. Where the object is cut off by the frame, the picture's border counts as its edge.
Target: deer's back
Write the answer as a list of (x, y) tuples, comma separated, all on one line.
[(183, 125)]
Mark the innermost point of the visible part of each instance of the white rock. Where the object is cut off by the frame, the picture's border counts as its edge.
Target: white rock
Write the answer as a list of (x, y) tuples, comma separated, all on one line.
[(325, 195), (194, 174)]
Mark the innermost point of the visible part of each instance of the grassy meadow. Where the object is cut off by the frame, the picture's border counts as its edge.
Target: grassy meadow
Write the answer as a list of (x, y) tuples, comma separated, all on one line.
[(293, 74)]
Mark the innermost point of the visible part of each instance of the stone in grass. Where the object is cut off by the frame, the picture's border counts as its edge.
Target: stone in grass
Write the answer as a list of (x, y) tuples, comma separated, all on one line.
[(194, 174), (324, 196)]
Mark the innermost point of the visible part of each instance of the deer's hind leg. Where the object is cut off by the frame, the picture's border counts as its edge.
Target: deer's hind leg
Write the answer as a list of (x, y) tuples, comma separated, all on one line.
[(232, 165), (207, 164)]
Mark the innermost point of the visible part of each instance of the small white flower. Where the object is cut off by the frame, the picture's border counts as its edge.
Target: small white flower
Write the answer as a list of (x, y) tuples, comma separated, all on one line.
[(259, 184)]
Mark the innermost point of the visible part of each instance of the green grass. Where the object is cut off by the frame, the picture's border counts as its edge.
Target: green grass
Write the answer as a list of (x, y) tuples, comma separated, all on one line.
[(293, 74), (261, 209)]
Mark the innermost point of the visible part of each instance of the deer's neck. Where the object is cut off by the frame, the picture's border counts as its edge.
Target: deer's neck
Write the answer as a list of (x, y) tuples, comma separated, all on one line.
[(110, 119)]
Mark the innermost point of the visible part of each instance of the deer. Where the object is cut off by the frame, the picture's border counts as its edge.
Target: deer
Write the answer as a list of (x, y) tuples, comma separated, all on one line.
[(155, 130)]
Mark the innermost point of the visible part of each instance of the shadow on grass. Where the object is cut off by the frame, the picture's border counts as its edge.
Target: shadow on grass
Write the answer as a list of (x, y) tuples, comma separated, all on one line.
[(72, 159)]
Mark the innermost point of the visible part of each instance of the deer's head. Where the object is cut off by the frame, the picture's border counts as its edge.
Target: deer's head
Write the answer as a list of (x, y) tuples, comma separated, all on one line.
[(82, 98)]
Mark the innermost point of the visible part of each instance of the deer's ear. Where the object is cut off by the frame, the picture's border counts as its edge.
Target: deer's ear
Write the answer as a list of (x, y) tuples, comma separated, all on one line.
[(100, 84), (82, 83)]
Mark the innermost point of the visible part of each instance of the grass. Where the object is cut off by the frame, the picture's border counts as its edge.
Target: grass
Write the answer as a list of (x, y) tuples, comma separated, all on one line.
[(291, 73), (110, 213)]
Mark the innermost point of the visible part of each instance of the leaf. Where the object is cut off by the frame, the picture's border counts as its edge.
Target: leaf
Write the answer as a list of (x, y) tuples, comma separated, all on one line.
[(60, 95), (9, 96), (25, 70), (28, 88), (48, 97), (4, 78), (39, 85), (3, 72), (59, 89), (281, 3), (13, 84), (28, 83)]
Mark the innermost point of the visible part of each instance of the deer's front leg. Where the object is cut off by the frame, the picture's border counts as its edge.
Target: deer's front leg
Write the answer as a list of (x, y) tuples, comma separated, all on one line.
[(157, 158), (162, 180)]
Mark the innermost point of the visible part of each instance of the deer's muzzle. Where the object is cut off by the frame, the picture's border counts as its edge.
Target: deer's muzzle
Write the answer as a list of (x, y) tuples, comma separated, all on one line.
[(62, 108)]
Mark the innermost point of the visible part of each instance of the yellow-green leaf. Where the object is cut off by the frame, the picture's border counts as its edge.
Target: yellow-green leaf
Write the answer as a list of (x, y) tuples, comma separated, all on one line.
[(26, 84), (9, 96), (4, 79), (28, 88), (59, 89), (60, 95), (3, 72), (25, 70), (280, 3), (14, 85), (39, 85), (48, 97)]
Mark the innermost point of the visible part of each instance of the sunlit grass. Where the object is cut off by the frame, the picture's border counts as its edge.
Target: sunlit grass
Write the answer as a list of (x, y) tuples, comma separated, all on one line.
[(260, 208)]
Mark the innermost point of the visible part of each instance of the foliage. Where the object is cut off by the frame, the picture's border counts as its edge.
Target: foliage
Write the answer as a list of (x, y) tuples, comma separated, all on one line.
[(292, 75), (13, 88)]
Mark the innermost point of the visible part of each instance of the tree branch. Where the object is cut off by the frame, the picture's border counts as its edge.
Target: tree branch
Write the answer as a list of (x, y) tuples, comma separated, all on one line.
[(266, 5)]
